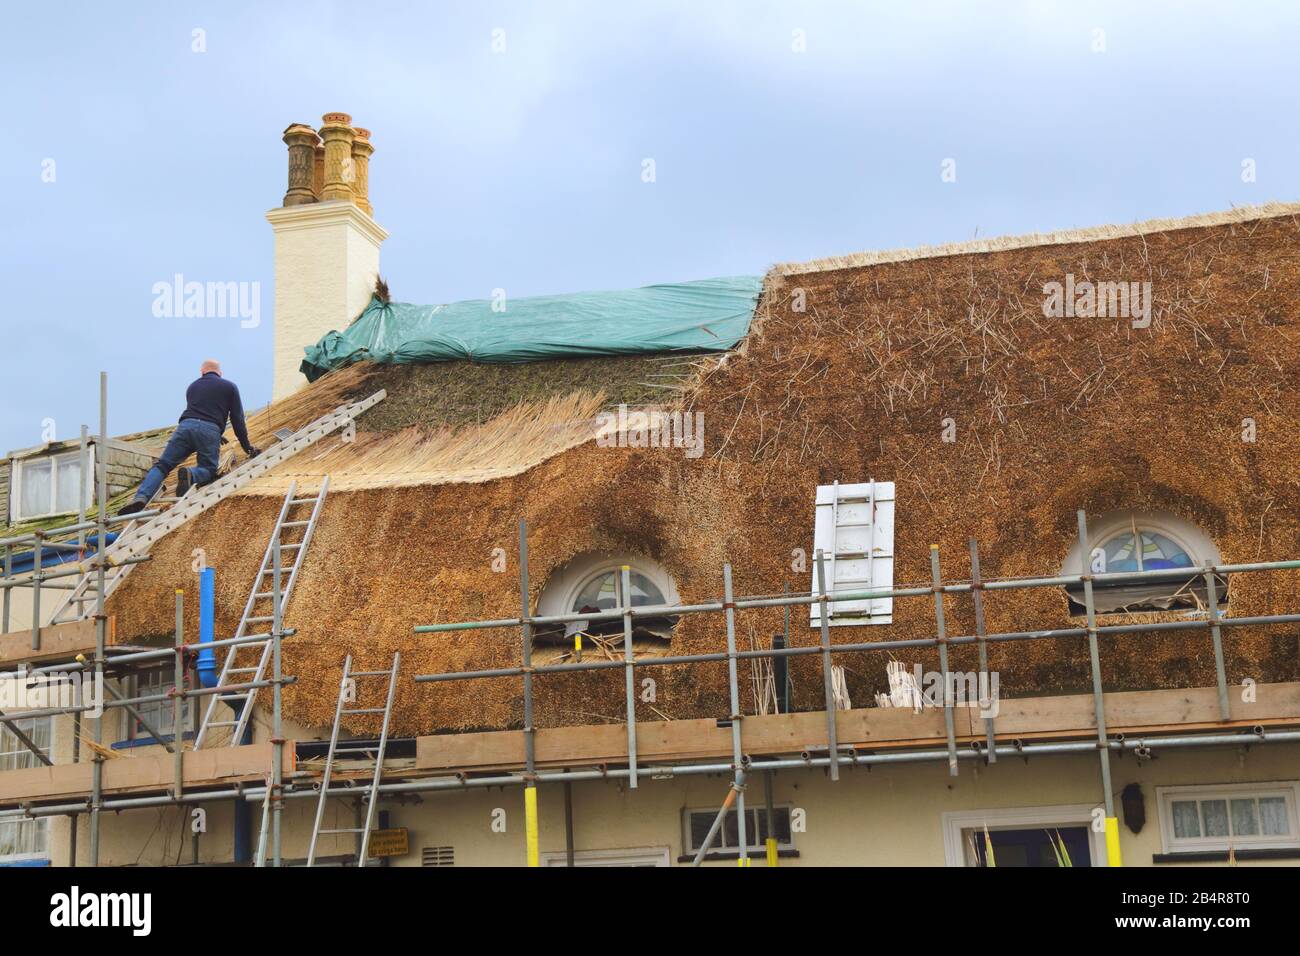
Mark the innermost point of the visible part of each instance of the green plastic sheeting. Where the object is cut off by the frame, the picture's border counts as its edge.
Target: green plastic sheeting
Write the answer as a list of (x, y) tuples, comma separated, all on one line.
[(710, 315)]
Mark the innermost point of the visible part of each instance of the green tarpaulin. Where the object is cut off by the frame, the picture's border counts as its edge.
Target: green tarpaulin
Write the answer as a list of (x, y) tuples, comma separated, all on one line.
[(710, 315)]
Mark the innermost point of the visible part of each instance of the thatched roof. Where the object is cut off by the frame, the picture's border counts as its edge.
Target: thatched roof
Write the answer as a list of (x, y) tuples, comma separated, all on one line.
[(1051, 415)]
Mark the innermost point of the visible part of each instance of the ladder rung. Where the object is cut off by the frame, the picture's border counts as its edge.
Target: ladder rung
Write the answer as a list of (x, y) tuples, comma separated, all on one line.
[(370, 673), (303, 501), (344, 830), (365, 710), (242, 670), (287, 547), (293, 524), (222, 723), (234, 695), (263, 617)]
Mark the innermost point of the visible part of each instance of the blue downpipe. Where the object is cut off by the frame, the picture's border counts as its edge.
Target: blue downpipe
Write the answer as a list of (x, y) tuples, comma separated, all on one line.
[(207, 613)]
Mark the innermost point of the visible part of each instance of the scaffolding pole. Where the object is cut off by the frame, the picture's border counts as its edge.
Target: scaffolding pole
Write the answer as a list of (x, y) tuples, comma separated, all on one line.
[(1142, 746), (1098, 697), (737, 716), (101, 620), (178, 700), (828, 684), (532, 854), (277, 738), (941, 630), (629, 672), (977, 597)]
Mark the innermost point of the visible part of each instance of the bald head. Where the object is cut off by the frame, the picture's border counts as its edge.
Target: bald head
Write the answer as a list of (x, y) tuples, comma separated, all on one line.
[(210, 365)]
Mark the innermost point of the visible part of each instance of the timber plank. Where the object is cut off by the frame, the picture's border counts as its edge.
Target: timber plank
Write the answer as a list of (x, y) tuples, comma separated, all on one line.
[(869, 728), (142, 774), (58, 642)]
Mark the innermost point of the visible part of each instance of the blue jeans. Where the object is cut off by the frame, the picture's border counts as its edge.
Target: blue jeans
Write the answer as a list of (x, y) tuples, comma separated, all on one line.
[(192, 436)]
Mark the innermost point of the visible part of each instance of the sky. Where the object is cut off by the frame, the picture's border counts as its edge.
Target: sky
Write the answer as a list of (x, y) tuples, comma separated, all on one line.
[(142, 140)]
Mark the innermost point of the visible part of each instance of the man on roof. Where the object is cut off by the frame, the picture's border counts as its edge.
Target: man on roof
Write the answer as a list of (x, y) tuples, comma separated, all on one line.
[(209, 402)]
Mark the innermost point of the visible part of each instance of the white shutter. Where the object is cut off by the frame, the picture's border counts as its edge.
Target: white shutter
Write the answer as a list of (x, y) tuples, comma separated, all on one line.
[(854, 527)]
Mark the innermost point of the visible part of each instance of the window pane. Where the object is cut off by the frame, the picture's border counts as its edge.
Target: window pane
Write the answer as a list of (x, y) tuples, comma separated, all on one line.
[(158, 713), (1272, 817), (780, 822), (24, 837), (1214, 816), (1120, 555), (35, 482), (700, 823), (14, 755), (730, 835), (601, 592), (68, 478), (1158, 552), (1244, 821), (1187, 824)]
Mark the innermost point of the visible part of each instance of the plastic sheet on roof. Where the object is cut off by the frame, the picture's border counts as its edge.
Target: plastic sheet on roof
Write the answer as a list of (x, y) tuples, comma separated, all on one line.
[(709, 315)]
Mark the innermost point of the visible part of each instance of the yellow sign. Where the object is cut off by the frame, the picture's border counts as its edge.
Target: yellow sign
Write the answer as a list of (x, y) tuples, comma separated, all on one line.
[(389, 842)]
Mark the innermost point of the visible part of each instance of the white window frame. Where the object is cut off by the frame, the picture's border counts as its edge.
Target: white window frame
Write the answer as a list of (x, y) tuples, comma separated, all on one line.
[(751, 833), (16, 483), (563, 587), (955, 824), (853, 526), (40, 825), (158, 713), (1165, 797), (633, 856)]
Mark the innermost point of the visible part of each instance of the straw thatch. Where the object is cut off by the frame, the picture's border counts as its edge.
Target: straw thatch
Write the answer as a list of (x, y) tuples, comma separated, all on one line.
[(509, 444), (1051, 415)]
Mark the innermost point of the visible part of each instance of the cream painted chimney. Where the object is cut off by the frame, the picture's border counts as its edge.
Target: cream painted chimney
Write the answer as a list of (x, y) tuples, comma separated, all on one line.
[(326, 250)]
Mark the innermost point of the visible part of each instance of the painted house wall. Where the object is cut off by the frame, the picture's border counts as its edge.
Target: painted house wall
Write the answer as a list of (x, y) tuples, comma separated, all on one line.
[(885, 816)]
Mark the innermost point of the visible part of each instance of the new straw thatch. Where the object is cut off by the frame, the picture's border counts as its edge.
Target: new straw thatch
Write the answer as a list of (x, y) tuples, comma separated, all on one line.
[(1051, 415)]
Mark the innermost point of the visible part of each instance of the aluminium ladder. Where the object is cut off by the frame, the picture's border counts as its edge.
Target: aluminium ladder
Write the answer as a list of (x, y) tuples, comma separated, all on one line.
[(241, 699), (138, 536), (349, 683), (73, 605)]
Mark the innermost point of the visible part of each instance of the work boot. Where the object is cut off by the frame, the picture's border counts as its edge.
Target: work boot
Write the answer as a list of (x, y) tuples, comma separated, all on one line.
[(132, 508), (182, 481)]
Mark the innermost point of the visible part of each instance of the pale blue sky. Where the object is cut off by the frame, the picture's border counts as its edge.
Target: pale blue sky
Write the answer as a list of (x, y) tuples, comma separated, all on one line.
[(522, 170)]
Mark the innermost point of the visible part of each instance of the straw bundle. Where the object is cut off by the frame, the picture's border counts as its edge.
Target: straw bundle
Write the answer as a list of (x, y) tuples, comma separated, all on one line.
[(509, 444)]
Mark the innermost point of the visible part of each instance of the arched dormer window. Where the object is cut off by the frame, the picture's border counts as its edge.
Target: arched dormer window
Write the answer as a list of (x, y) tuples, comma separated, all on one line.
[(1138, 541), (593, 582)]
